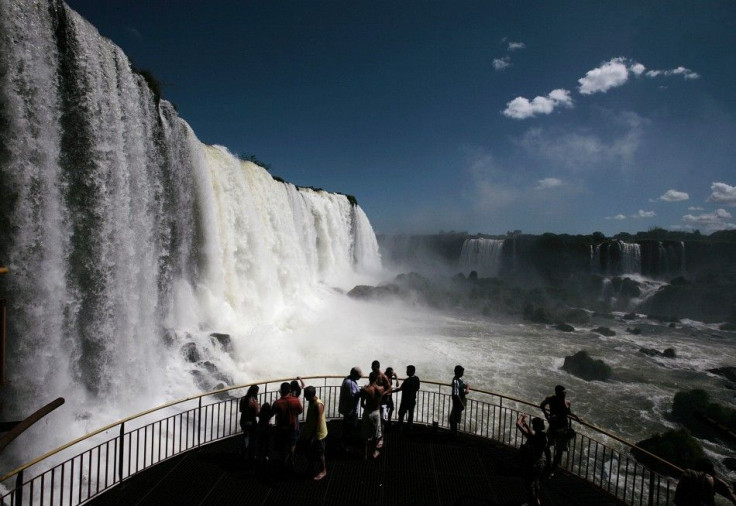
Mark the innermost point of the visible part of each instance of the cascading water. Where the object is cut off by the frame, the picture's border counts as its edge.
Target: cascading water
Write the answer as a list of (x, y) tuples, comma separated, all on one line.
[(129, 242), (483, 256), (616, 258)]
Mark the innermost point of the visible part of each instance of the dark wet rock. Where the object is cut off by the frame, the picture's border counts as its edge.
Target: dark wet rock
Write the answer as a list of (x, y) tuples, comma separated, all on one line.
[(704, 418), (537, 314), (191, 352), (224, 340), (374, 292), (729, 463), (675, 446), (630, 316), (668, 353), (577, 316), (633, 330), (727, 372), (604, 331), (729, 327), (672, 325), (664, 318), (604, 316), (587, 368), (564, 327)]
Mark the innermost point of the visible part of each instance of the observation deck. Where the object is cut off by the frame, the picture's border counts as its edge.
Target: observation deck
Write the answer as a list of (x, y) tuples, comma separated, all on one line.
[(188, 452)]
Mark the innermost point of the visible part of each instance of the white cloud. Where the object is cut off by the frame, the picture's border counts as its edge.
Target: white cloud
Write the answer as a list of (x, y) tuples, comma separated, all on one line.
[(723, 194), (695, 208), (716, 220), (679, 71), (644, 214), (522, 108), (637, 68), (513, 46), (609, 75), (674, 196), (618, 217), (547, 183), (616, 71), (501, 63)]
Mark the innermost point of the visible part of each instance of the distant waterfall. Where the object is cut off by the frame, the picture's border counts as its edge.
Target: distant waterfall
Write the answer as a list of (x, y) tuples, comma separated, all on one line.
[(615, 258), (483, 256), (126, 237)]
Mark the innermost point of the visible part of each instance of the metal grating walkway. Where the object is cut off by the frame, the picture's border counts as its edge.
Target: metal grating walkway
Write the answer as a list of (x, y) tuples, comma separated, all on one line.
[(422, 468)]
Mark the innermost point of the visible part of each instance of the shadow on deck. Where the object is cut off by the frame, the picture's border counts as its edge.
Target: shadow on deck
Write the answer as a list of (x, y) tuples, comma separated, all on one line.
[(422, 468)]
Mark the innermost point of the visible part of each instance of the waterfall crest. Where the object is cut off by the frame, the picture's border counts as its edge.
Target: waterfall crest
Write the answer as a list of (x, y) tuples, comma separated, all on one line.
[(483, 256), (125, 235)]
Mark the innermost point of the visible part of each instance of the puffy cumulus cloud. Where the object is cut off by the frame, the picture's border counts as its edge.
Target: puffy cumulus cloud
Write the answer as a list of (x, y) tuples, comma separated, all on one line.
[(674, 196), (616, 72), (679, 71), (523, 108), (618, 217), (609, 75), (717, 220), (641, 214), (723, 193), (501, 63), (514, 46), (547, 183)]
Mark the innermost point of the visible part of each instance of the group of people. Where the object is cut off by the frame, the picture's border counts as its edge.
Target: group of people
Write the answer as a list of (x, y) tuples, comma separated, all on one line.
[(377, 403), (286, 432), (375, 400)]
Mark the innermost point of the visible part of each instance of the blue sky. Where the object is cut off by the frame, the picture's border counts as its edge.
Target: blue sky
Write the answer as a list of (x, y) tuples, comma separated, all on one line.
[(485, 117)]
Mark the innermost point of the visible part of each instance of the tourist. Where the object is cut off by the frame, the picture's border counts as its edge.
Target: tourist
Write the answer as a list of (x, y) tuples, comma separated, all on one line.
[(387, 404), (370, 401), (287, 409), (249, 410), (535, 456), (349, 404), (409, 388), (314, 430), (297, 386), (459, 390), (557, 412), (699, 486), (264, 432)]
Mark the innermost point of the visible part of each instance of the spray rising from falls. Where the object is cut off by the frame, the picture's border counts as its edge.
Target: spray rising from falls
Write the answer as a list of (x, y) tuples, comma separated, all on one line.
[(127, 239)]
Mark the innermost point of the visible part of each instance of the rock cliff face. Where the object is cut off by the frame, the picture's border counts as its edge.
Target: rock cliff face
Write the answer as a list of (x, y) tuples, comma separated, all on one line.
[(665, 274)]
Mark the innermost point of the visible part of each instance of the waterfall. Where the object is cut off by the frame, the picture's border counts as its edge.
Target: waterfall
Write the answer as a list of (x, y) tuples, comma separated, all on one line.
[(615, 258), (483, 256), (127, 239)]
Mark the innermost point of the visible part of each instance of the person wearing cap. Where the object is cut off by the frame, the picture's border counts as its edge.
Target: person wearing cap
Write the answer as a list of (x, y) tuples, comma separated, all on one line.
[(556, 409)]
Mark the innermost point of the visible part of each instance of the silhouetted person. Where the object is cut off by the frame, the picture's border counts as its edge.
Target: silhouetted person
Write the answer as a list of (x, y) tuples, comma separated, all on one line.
[(349, 403), (698, 487), (459, 390), (370, 401), (249, 410), (387, 404), (287, 409), (556, 410), (409, 388), (314, 430), (535, 456), (264, 432)]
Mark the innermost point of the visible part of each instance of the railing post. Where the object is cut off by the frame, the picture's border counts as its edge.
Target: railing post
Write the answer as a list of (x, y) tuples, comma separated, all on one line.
[(121, 459), (19, 489), (651, 488), (199, 423)]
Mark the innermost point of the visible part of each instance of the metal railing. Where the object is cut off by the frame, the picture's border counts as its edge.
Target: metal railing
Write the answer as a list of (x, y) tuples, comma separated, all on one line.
[(92, 464)]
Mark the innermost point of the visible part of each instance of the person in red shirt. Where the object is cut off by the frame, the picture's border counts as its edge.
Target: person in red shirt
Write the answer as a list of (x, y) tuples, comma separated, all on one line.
[(287, 409)]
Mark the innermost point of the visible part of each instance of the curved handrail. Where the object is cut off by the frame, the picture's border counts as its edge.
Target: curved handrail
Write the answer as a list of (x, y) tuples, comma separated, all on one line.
[(281, 380)]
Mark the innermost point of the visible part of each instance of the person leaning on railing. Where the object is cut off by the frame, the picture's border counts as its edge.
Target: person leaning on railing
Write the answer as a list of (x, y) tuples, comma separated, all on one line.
[(556, 410), (698, 487)]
